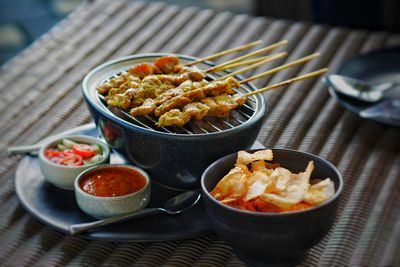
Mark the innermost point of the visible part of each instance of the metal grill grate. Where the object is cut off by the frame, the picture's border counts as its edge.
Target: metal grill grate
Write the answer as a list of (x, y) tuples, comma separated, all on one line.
[(209, 124)]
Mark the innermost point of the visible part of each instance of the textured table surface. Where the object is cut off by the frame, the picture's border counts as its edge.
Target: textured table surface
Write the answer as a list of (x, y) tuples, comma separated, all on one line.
[(41, 95)]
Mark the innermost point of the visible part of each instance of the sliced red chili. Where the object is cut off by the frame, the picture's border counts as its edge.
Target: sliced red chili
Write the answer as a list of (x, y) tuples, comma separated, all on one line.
[(84, 150), (53, 153), (71, 160)]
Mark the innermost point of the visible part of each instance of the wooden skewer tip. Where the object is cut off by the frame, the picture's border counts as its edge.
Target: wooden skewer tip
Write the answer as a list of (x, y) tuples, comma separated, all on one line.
[(288, 82), (223, 53)]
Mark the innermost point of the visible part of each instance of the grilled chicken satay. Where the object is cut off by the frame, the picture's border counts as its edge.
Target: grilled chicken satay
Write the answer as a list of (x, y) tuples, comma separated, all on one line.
[(173, 117), (211, 89), (146, 80), (150, 104), (147, 107), (105, 87), (218, 106), (179, 98), (181, 89), (134, 95), (166, 65), (133, 92)]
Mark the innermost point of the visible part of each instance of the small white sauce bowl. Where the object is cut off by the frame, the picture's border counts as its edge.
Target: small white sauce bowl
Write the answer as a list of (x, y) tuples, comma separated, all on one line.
[(63, 176), (104, 207)]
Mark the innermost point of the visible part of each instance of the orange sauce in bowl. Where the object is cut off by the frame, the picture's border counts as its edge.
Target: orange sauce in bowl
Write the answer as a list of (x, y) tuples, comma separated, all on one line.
[(112, 182)]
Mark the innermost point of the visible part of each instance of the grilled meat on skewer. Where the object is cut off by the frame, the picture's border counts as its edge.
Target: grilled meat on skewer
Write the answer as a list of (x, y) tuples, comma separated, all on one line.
[(185, 94), (173, 117), (145, 80), (148, 105), (218, 106), (211, 89)]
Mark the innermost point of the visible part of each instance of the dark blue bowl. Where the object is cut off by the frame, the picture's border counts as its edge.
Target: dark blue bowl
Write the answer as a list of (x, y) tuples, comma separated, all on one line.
[(172, 160), (263, 239)]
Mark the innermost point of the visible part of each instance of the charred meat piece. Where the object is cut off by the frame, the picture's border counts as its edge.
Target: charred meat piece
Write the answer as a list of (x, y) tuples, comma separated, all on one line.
[(115, 82), (210, 106), (167, 64), (195, 74), (141, 70), (179, 101), (147, 107), (196, 110), (173, 117), (124, 100), (213, 88)]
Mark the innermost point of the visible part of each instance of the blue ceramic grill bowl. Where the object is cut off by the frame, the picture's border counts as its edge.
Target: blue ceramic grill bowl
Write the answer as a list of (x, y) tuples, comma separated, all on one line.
[(174, 159), (264, 239)]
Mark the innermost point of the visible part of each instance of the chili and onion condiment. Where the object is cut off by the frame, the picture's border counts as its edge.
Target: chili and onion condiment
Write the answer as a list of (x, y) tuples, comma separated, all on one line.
[(112, 182), (71, 153)]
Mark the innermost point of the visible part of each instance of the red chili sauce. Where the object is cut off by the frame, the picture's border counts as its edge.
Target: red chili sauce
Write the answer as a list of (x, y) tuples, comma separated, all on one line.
[(112, 182)]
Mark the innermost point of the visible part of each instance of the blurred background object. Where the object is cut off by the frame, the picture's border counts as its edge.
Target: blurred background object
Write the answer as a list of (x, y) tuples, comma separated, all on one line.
[(375, 15), (23, 21)]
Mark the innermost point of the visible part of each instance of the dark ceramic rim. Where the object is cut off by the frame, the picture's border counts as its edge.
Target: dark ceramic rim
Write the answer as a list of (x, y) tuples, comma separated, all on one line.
[(93, 140), (270, 214), (260, 110), (106, 166)]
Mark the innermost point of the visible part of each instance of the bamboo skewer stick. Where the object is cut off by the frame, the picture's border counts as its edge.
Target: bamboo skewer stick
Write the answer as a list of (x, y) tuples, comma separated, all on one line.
[(288, 82), (223, 53), (285, 66), (253, 54), (255, 65), (239, 64)]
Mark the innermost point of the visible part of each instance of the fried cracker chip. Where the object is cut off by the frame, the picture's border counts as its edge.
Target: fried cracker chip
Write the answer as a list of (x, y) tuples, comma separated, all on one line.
[(261, 166), (232, 186), (280, 178), (256, 184), (246, 158), (320, 192), (296, 186)]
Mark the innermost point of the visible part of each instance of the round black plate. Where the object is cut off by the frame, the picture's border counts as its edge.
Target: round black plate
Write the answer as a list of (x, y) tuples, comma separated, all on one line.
[(377, 66), (57, 208)]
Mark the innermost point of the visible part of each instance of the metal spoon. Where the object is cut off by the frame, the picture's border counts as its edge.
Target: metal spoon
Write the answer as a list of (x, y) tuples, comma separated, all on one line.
[(29, 149), (357, 89), (175, 205)]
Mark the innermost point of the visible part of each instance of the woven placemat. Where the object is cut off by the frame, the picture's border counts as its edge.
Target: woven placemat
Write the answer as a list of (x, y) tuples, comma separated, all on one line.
[(41, 95)]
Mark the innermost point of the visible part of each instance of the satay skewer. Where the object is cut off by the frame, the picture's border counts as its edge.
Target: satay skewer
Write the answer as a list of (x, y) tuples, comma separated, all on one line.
[(220, 105), (271, 71), (126, 97), (144, 71), (288, 82), (255, 65), (187, 97), (168, 63), (242, 63), (251, 63), (250, 55), (282, 67), (163, 106), (223, 53)]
